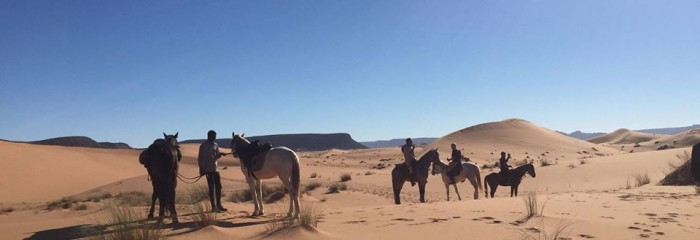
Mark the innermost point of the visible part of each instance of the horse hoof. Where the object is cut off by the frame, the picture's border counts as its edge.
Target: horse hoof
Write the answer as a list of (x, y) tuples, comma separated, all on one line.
[(151, 218), (175, 221)]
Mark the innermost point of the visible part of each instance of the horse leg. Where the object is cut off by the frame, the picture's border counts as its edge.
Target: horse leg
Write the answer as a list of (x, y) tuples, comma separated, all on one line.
[(472, 180), (259, 200), (171, 205), (421, 189), (516, 190), (494, 186), (397, 184), (162, 205), (457, 191), (447, 189), (253, 195), (292, 196), (512, 190), (153, 205)]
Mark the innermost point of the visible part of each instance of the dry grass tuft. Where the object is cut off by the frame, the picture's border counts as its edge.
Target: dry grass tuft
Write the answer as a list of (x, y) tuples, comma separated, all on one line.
[(309, 216), (532, 205), (125, 223), (679, 171), (560, 232), (345, 177), (337, 187), (202, 217)]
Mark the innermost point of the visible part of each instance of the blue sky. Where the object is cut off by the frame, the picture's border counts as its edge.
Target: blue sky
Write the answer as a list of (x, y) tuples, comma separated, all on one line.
[(129, 70)]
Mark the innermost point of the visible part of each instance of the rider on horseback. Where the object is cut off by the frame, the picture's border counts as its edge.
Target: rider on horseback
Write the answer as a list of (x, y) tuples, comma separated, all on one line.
[(455, 163), (504, 166), (409, 158)]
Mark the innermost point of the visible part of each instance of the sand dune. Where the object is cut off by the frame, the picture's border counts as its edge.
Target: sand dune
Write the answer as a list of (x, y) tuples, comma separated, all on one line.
[(624, 136), (521, 138), (34, 173), (684, 139)]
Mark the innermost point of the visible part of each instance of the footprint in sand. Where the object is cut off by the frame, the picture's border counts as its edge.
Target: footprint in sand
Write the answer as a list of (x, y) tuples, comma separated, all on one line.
[(532, 229), (633, 228), (644, 235), (651, 214), (586, 236), (403, 219), (357, 222), (456, 217)]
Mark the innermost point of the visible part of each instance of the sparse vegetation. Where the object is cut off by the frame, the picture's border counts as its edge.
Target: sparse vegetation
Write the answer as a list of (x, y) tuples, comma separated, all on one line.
[(309, 216), (63, 203), (679, 171), (664, 147), (125, 223), (572, 166), (202, 217), (193, 195), (368, 173), (337, 187), (134, 199), (271, 193), (583, 161), (313, 175), (345, 177)]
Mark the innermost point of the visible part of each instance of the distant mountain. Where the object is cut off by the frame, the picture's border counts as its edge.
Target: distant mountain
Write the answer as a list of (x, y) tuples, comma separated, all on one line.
[(583, 135), (299, 142), (397, 142), (669, 131), (80, 141)]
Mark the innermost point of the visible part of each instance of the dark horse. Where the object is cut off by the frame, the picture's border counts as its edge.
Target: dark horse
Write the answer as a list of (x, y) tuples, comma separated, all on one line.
[(399, 175), (695, 163), (515, 177), (161, 160)]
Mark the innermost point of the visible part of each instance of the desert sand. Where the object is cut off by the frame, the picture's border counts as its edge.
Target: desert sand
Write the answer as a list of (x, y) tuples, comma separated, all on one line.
[(589, 189)]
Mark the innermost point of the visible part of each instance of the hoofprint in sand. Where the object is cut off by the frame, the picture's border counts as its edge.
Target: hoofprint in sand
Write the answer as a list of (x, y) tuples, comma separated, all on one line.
[(588, 194)]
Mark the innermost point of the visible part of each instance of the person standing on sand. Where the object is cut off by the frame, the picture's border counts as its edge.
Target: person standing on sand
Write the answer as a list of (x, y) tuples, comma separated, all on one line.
[(409, 158), (208, 165)]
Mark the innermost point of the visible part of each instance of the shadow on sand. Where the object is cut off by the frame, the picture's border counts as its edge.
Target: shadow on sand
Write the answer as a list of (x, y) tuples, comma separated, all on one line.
[(86, 231)]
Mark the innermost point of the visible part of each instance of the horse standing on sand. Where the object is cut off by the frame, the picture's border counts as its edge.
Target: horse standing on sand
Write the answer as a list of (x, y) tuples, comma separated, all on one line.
[(514, 178), (470, 171), (400, 175), (695, 163), (279, 162), (161, 160)]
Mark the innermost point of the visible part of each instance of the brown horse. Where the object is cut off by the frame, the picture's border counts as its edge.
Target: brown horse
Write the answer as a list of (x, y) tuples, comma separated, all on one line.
[(695, 163), (161, 160), (400, 175), (514, 178)]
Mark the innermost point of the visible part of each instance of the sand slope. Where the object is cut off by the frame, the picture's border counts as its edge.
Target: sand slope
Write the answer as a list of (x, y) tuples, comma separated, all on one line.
[(34, 173), (624, 136)]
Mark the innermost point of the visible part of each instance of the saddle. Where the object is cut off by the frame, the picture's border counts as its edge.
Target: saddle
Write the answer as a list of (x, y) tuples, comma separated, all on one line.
[(247, 156), (456, 169)]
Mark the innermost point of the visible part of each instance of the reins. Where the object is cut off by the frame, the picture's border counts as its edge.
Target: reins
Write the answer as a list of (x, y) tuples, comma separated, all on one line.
[(182, 178)]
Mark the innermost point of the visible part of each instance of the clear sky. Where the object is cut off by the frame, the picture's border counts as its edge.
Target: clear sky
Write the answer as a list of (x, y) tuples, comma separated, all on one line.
[(126, 71)]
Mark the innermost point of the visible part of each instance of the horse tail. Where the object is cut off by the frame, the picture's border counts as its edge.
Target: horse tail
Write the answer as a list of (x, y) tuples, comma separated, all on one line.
[(296, 178)]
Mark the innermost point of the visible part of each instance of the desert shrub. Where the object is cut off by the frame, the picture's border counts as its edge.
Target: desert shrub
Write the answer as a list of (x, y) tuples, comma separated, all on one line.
[(193, 195), (7, 210), (125, 223), (337, 187), (311, 186), (546, 162), (572, 166), (345, 177), (202, 217), (679, 171), (664, 147), (313, 175), (81, 207), (368, 173), (583, 161), (63, 203)]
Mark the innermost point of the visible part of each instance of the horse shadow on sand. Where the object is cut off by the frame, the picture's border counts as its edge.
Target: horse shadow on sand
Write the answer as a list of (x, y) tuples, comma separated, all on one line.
[(89, 231)]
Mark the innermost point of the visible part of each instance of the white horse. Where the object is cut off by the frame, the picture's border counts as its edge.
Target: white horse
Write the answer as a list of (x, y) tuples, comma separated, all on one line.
[(470, 171), (279, 162)]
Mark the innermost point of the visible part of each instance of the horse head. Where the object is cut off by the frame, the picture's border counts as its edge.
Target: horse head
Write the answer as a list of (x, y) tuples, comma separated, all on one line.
[(530, 169), (171, 139), (238, 141)]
